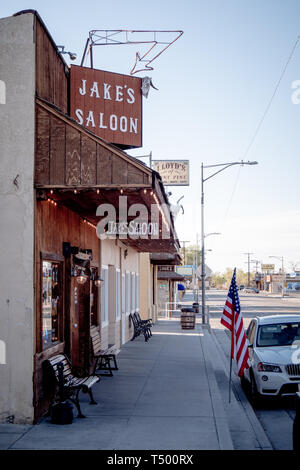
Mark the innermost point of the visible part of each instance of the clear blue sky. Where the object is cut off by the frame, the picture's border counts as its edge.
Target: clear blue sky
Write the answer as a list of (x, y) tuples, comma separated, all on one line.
[(214, 85)]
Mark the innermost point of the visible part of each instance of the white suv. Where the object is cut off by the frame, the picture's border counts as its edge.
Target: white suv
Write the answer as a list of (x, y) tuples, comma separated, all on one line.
[(274, 349)]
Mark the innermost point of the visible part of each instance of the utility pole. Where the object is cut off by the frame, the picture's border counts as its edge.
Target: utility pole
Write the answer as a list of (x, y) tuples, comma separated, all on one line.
[(184, 242), (222, 167), (248, 254)]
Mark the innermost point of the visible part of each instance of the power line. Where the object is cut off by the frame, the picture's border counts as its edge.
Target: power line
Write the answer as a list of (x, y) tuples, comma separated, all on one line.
[(231, 197), (271, 99)]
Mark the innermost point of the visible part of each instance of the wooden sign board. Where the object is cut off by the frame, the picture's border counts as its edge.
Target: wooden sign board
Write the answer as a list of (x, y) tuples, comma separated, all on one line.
[(172, 172), (268, 267), (107, 104)]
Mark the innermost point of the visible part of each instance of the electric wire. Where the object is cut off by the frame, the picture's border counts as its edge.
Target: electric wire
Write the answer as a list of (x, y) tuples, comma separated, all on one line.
[(260, 124), (231, 197), (271, 99)]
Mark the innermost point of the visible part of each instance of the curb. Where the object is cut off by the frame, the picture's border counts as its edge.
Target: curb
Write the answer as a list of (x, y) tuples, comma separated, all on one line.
[(258, 430), (220, 417)]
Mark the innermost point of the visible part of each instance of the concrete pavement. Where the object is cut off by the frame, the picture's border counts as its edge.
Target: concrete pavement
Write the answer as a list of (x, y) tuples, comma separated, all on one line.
[(168, 394)]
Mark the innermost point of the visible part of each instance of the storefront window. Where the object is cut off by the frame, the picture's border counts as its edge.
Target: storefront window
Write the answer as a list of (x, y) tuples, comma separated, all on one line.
[(51, 304)]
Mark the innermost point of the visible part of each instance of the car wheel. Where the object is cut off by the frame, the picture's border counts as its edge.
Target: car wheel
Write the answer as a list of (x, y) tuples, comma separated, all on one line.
[(244, 383), (255, 396)]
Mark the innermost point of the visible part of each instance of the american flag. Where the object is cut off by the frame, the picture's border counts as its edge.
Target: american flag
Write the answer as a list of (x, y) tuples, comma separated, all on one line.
[(233, 320)]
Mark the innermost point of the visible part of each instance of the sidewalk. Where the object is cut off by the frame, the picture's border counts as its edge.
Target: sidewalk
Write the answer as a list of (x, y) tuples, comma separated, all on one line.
[(164, 396), (167, 394)]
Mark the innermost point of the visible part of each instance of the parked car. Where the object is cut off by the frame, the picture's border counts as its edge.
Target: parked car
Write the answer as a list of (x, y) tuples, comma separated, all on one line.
[(250, 290), (242, 286), (274, 350)]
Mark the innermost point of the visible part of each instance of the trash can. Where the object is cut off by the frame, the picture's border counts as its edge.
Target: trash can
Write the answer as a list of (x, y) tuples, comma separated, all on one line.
[(61, 412), (196, 307), (187, 318)]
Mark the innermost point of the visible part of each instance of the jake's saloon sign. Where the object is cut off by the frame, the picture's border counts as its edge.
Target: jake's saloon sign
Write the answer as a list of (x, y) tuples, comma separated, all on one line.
[(108, 104)]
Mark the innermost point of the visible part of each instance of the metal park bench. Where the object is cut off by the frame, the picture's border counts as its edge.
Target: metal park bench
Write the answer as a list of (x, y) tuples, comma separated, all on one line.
[(146, 323), (103, 357), (139, 328), (74, 380)]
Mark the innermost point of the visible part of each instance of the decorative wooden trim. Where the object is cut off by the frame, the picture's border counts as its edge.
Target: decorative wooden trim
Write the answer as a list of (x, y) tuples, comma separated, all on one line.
[(70, 121), (96, 186)]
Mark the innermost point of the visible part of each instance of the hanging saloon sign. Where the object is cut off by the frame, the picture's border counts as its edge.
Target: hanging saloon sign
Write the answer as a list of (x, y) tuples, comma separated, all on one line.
[(172, 172), (108, 104)]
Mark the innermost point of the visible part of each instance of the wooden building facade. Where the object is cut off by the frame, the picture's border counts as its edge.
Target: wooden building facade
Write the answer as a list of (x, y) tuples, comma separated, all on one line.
[(75, 172)]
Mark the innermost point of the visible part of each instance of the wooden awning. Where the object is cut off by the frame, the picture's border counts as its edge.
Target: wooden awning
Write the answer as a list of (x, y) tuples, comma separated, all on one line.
[(81, 171), (69, 156), (165, 258), (169, 276)]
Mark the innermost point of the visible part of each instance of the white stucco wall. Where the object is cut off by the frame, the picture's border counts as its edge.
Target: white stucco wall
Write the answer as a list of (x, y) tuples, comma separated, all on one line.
[(17, 72)]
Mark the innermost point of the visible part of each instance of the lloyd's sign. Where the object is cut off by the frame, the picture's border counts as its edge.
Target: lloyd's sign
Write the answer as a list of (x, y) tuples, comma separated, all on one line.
[(172, 172), (108, 104)]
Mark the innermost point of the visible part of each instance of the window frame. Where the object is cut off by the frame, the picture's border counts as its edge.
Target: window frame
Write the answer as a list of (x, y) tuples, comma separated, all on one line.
[(58, 259), (104, 296), (132, 288), (118, 294), (127, 293)]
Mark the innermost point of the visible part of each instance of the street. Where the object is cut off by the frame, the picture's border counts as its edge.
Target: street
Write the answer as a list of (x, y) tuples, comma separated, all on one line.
[(275, 415)]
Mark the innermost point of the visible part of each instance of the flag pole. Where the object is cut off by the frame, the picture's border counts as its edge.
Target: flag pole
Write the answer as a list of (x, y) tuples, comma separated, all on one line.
[(231, 354), (232, 343), (239, 349), (230, 379)]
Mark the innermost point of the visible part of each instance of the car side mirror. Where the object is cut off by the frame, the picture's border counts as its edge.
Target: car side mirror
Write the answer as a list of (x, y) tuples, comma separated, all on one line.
[(250, 346)]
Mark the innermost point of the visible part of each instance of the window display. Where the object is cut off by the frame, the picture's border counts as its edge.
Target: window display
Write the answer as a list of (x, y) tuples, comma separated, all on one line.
[(50, 303)]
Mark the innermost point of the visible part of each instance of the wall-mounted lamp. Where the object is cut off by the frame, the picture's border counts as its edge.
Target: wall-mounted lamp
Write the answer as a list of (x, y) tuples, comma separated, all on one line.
[(72, 55), (82, 277), (98, 281)]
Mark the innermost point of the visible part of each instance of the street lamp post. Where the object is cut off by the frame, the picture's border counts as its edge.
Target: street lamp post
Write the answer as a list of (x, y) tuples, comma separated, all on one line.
[(224, 167), (282, 272), (257, 277)]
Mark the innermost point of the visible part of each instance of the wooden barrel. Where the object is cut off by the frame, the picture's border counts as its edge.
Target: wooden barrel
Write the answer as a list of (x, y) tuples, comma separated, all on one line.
[(187, 319)]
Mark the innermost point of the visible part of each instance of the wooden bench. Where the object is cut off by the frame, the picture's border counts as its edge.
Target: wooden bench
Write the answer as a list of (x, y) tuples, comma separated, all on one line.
[(72, 381), (146, 323), (139, 328), (103, 357)]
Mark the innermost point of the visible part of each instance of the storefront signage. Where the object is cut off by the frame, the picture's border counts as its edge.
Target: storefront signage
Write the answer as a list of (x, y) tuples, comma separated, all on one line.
[(108, 104), (132, 228), (268, 267), (184, 271), (165, 268), (173, 172)]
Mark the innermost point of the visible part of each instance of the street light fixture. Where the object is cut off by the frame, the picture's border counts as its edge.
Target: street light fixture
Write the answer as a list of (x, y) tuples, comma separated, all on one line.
[(282, 272), (224, 167)]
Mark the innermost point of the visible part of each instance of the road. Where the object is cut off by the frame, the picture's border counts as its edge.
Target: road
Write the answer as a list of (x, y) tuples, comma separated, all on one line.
[(275, 415)]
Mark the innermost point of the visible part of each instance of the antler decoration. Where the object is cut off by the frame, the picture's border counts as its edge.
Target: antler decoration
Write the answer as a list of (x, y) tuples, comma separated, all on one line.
[(101, 37)]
